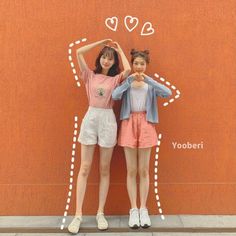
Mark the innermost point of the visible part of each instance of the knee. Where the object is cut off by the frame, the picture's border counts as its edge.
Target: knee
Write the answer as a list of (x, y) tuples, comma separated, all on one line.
[(104, 170), (132, 173), (144, 173), (84, 171)]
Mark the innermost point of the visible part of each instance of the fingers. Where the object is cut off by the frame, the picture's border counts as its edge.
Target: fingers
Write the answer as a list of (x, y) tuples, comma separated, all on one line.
[(138, 76), (105, 41), (108, 40), (114, 48), (109, 43), (134, 74), (117, 44)]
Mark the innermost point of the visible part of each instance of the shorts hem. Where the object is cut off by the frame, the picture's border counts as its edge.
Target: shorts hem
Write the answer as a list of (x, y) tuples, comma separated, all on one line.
[(134, 146), (127, 145), (84, 143), (105, 146), (150, 146)]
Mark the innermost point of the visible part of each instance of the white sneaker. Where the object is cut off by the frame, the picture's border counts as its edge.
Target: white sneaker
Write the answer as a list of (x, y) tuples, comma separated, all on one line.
[(134, 218), (145, 221), (74, 225), (101, 221)]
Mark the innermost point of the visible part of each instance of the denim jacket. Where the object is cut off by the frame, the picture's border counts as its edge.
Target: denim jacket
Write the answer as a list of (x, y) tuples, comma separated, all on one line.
[(154, 89)]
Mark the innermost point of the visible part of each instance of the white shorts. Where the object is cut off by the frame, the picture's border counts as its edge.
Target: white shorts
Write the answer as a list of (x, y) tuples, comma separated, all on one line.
[(99, 127)]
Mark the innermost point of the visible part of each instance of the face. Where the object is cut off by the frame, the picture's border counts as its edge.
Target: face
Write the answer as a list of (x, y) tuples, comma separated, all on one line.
[(139, 65), (106, 62)]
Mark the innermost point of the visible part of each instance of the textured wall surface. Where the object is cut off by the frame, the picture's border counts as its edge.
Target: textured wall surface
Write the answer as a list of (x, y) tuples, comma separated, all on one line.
[(193, 47)]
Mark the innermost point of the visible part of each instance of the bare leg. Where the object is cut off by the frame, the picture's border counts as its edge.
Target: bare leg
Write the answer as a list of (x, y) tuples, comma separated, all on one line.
[(87, 152), (105, 160), (131, 164), (144, 159)]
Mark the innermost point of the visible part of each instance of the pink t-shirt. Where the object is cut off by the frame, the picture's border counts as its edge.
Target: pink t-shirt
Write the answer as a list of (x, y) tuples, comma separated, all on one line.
[(99, 88)]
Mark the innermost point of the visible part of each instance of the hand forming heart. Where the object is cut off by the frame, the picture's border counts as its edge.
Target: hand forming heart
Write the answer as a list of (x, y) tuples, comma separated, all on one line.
[(114, 45)]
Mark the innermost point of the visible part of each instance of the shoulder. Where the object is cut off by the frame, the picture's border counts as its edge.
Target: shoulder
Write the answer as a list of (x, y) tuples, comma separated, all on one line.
[(86, 73), (147, 77)]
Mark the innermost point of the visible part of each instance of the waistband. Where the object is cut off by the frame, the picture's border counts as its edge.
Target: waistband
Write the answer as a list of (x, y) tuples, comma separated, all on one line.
[(138, 113), (100, 109)]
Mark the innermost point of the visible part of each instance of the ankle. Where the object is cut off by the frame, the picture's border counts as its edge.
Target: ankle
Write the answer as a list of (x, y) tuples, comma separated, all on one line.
[(78, 215), (100, 213), (134, 206)]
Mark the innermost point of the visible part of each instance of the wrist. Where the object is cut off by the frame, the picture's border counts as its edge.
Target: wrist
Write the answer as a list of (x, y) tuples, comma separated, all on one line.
[(120, 51)]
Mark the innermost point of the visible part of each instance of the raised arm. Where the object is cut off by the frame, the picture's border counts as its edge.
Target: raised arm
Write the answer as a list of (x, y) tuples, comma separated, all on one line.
[(124, 60), (80, 51), (160, 89)]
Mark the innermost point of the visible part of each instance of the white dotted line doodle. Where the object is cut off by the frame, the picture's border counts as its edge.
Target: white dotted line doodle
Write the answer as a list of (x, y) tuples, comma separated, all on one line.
[(172, 86), (71, 61), (71, 45), (156, 177), (71, 171)]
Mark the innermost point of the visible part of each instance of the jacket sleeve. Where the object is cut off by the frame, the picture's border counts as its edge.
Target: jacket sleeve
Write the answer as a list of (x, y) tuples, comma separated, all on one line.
[(118, 91), (160, 89)]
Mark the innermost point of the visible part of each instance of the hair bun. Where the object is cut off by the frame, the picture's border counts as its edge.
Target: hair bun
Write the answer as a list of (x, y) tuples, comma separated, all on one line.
[(133, 51), (146, 52)]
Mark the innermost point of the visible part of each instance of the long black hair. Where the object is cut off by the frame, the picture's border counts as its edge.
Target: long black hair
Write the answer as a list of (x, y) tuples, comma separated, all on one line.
[(110, 52)]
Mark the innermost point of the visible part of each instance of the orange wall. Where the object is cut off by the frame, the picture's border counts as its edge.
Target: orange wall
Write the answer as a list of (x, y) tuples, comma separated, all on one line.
[(193, 48)]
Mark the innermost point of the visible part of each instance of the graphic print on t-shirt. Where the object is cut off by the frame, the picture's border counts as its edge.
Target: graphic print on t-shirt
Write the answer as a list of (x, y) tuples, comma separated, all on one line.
[(100, 92)]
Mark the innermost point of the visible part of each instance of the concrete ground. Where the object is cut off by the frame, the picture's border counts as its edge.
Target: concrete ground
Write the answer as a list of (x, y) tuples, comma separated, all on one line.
[(172, 225)]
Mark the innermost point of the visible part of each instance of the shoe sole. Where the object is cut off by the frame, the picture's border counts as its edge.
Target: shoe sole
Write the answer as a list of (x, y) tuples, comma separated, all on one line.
[(134, 227), (102, 229), (74, 233), (145, 226)]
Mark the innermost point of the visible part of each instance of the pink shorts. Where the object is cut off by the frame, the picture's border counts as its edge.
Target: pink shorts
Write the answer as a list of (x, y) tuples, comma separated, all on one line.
[(137, 132)]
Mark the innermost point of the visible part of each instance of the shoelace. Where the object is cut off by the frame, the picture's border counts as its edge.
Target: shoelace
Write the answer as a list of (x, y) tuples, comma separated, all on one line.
[(76, 220), (134, 212), (101, 218), (143, 212)]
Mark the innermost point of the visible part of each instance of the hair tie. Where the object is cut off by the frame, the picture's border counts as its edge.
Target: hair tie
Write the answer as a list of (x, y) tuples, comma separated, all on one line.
[(146, 52), (133, 51)]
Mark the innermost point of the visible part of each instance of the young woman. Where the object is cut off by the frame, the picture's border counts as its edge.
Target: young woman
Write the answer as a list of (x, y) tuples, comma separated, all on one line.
[(137, 133), (99, 124)]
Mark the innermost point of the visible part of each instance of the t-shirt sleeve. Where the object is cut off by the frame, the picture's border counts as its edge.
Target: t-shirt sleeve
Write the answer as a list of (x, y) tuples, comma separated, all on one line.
[(118, 79), (86, 74)]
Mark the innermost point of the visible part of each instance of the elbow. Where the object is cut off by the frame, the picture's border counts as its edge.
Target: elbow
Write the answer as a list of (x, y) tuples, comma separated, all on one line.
[(78, 51), (114, 96), (169, 93), (128, 69)]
